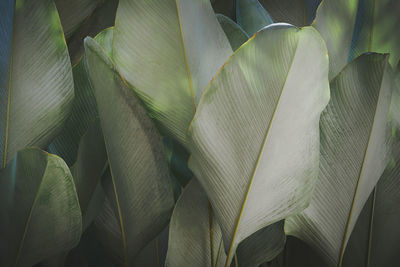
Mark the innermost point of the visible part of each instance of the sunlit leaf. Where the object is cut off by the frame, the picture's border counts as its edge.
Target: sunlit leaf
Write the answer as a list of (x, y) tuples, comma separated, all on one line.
[(39, 209), (36, 85), (244, 152), (168, 51), (355, 135)]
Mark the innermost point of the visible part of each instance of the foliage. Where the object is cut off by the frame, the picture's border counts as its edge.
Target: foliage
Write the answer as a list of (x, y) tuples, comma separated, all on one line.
[(199, 133)]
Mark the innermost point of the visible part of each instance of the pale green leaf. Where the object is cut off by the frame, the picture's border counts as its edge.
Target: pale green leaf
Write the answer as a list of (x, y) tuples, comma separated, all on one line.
[(244, 152), (168, 51), (251, 16), (139, 188), (236, 35), (355, 135), (39, 209), (36, 87)]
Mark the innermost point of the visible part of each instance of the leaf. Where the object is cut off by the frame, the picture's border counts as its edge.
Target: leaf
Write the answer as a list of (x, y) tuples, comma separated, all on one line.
[(355, 145), (376, 29), (90, 166), (252, 16), (262, 246), (353, 27), (74, 12), (236, 35), (102, 18), (244, 152), (137, 163), (36, 78), (84, 108), (296, 12), (39, 208), (225, 7), (153, 255), (168, 51), (375, 238), (190, 233)]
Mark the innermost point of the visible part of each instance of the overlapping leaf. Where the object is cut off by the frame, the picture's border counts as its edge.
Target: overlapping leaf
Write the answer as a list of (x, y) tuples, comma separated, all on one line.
[(244, 153), (236, 35), (84, 108), (355, 136), (39, 209), (251, 16), (169, 51), (74, 12), (139, 188), (36, 78), (353, 27)]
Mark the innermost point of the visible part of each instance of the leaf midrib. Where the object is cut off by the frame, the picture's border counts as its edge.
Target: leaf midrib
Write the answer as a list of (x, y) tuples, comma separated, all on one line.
[(259, 155)]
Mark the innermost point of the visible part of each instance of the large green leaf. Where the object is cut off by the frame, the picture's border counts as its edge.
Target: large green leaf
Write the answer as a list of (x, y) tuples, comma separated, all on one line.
[(74, 12), (168, 51), (139, 188), (353, 27), (39, 209), (296, 12), (355, 136), (225, 7), (244, 152), (190, 235), (36, 87), (252, 16), (376, 237), (84, 108), (236, 35)]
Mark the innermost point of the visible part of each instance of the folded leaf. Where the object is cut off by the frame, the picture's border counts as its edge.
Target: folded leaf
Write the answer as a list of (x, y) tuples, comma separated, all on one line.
[(39, 209), (139, 188), (355, 136), (168, 51), (251, 16), (244, 152), (236, 35), (296, 12), (36, 85)]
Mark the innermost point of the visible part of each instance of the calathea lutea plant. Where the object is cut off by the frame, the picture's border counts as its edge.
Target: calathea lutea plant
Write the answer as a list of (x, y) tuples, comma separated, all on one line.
[(195, 133)]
